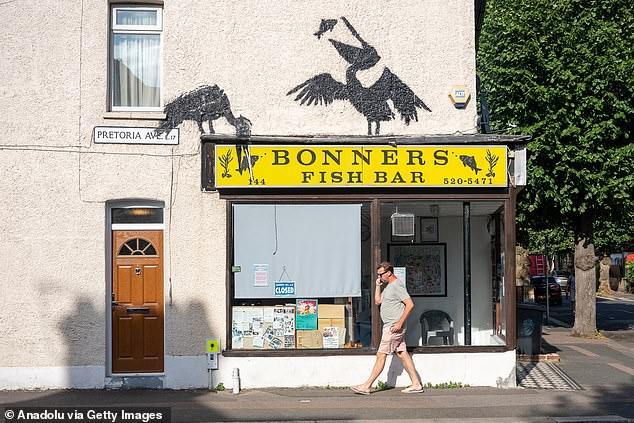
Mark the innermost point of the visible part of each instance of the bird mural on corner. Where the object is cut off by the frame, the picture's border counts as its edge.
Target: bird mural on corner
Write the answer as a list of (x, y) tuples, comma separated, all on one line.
[(371, 101)]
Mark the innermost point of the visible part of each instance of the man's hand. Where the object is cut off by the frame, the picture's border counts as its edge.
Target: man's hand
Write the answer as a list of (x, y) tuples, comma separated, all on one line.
[(396, 328), (379, 282)]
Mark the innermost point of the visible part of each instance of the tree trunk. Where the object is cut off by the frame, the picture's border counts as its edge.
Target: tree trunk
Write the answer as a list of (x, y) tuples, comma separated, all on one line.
[(604, 276), (585, 279)]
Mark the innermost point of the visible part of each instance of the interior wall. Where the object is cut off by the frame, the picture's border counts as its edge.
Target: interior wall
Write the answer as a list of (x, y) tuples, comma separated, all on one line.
[(450, 233)]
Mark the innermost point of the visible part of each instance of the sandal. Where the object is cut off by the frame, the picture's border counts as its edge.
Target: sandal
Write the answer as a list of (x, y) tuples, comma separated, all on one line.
[(412, 390), (356, 390)]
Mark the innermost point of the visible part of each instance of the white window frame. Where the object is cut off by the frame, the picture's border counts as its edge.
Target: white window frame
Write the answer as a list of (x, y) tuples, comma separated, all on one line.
[(135, 29)]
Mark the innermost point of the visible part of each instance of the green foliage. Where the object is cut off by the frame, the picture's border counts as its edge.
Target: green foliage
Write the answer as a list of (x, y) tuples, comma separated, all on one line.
[(220, 387), (560, 239), (563, 72), (447, 385), (629, 271), (381, 386), (336, 387)]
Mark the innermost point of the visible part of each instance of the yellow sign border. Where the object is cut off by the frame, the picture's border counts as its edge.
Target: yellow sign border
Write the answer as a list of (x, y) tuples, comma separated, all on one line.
[(360, 166)]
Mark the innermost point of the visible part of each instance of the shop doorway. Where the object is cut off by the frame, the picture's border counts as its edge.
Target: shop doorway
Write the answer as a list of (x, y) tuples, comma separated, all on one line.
[(137, 301)]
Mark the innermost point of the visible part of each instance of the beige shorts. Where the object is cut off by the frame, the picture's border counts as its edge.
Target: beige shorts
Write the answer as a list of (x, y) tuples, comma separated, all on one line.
[(392, 342)]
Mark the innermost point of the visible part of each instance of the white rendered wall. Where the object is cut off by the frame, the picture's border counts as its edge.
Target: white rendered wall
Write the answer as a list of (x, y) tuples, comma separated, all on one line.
[(45, 377), (56, 182), (473, 369), (271, 49)]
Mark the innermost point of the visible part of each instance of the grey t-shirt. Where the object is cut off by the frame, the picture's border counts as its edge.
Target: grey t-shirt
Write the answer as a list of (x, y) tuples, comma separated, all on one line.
[(392, 306)]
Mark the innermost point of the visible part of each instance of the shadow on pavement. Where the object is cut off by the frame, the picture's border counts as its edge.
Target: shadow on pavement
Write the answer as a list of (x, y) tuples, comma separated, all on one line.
[(338, 404), (185, 405), (546, 347)]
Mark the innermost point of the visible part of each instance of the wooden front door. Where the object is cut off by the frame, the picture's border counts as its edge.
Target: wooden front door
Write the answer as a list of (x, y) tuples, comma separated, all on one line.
[(137, 301)]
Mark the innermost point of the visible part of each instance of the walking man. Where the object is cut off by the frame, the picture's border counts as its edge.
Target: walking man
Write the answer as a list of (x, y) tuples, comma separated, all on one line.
[(396, 305)]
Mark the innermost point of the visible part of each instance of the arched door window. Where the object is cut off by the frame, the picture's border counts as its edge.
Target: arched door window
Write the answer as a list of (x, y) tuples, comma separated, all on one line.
[(137, 247)]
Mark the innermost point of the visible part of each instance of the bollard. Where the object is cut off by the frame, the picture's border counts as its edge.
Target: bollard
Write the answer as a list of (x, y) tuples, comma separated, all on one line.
[(236, 380)]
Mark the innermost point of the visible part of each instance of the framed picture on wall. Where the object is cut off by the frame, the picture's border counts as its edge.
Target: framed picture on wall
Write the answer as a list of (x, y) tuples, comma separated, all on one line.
[(428, 229), (426, 267)]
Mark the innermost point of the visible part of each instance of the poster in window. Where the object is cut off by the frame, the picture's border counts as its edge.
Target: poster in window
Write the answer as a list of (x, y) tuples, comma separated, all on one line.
[(306, 315), (428, 229), (400, 272), (426, 267), (331, 337), (263, 327), (260, 275)]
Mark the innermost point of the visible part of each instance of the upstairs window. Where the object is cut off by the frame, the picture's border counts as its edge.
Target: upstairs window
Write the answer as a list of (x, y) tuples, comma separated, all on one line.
[(136, 56)]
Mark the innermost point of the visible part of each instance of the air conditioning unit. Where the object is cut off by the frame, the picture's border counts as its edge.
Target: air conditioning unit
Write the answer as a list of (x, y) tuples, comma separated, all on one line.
[(402, 224)]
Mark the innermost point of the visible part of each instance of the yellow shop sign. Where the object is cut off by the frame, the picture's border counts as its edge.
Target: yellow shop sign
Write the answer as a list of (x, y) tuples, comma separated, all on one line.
[(281, 166)]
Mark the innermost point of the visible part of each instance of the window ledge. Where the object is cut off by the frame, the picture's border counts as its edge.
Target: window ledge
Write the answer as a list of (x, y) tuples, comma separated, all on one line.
[(440, 349), (135, 115), (299, 353)]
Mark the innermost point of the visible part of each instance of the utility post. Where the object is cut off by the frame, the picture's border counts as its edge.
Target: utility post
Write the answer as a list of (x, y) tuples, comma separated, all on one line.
[(547, 276)]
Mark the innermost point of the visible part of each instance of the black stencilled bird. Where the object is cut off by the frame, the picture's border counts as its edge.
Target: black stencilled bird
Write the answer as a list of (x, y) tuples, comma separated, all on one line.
[(325, 26), (370, 101)]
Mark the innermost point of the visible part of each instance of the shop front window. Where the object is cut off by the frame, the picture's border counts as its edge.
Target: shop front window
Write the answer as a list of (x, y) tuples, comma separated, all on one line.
[(431, 260), (302, 273), (301, 276)]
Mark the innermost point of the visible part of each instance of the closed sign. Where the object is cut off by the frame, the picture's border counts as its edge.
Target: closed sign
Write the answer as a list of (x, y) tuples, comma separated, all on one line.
[(284, 289)]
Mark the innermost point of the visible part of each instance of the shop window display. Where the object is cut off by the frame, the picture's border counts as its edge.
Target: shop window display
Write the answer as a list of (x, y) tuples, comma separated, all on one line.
[(302, 273)]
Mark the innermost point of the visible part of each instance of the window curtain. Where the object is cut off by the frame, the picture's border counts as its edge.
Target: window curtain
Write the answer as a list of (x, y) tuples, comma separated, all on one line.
[(136, 17), (136, 70)]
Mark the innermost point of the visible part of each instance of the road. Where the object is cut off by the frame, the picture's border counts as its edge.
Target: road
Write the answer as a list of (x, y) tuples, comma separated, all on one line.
[(615, 316)]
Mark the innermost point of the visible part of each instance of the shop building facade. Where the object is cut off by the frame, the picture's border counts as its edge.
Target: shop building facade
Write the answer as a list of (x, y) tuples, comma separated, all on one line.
[(185, 177)]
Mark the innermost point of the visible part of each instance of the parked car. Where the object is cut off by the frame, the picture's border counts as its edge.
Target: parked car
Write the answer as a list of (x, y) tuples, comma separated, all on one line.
[(539, 283), (562, 279)]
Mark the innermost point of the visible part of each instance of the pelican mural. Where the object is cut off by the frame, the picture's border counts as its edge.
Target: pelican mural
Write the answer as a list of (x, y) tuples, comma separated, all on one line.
[(372, 101)]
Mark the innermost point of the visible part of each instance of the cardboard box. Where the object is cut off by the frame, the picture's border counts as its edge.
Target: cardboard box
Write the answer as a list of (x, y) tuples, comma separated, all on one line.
[(331, 311), (331, 315), (328, 323), (314, 338), (309, 339)]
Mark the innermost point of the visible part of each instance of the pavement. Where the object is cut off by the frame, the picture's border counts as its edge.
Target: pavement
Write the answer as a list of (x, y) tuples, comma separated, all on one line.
[(592, 382)]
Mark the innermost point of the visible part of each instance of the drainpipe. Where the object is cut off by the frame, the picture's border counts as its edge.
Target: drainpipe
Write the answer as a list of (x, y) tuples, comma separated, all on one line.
[(466, 236)]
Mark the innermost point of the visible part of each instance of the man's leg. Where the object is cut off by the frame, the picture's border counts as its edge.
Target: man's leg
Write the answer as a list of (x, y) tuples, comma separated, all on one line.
[(379, 364), (408, 364)]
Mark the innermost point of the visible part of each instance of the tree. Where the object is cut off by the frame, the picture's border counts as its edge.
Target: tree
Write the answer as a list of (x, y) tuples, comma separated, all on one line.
[(604, 275), (563, 72)]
